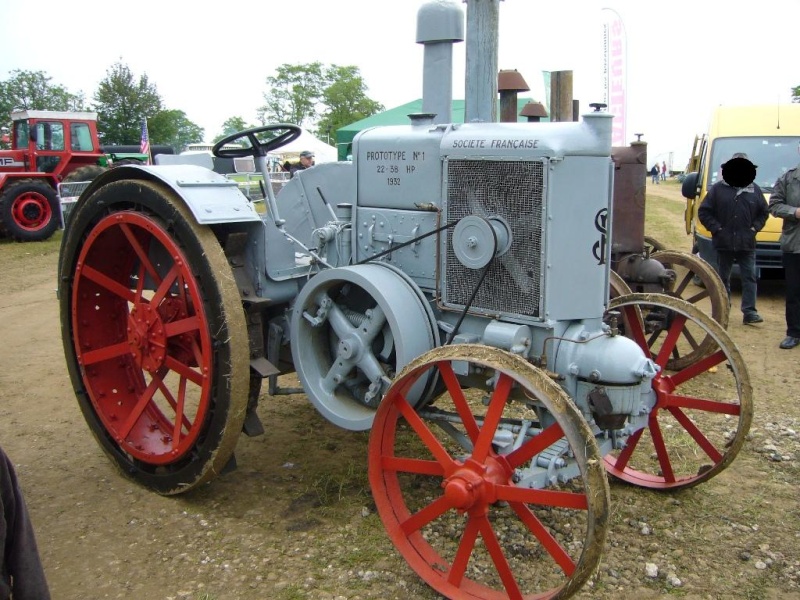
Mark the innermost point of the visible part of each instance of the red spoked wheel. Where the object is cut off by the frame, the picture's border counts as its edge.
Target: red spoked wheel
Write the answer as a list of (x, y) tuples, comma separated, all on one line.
[(700, 414), (489, 496), (29, 210), (155, 336)]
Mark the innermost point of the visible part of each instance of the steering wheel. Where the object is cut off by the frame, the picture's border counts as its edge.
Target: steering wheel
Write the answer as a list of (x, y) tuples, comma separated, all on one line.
[(285, 133)]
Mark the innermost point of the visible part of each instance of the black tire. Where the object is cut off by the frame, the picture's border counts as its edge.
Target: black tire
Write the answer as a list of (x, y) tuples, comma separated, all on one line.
[(29, 211), (186, 365), (87, 173)]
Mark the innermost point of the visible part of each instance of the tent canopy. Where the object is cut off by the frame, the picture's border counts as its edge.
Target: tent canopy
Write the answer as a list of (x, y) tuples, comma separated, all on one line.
[(322, 152), (399, 116)]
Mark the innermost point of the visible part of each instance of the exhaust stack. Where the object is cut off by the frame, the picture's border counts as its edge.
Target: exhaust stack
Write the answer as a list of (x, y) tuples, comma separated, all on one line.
[(440, 24)]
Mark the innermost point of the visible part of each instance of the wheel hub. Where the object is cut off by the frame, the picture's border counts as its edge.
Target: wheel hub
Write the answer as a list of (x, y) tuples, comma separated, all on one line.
[(30, 212), (146, 337), (470, 487), (350, 347)]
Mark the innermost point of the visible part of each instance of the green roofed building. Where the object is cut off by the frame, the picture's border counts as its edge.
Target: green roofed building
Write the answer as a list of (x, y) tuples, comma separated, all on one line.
[(399, 116)]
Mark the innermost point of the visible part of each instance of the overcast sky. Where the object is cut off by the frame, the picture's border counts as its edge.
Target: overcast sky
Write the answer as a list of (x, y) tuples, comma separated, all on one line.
[(211, 59)]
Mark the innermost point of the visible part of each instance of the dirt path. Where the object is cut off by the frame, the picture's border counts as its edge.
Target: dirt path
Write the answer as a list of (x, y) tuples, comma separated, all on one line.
[(295, 520)]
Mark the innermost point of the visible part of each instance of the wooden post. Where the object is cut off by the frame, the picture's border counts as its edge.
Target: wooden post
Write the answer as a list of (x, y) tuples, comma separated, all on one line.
[(561, 96)]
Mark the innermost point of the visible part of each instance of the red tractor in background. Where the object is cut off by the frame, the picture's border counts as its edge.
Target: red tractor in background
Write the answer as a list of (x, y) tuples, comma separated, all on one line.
[(47, 147)]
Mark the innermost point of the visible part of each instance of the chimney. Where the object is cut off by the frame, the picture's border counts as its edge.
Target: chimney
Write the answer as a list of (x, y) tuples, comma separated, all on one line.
[(480, 97), (533, 111)]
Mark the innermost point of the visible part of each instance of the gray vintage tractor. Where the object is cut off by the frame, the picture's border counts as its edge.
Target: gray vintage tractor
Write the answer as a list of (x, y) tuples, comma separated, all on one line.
[(446, 290)]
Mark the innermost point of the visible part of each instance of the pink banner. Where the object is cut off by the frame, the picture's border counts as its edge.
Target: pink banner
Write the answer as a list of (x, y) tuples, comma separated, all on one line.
[(615, 74)]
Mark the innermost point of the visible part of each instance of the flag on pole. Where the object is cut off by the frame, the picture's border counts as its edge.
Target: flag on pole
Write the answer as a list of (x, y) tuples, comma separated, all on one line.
[(144, 148), (616, 74)]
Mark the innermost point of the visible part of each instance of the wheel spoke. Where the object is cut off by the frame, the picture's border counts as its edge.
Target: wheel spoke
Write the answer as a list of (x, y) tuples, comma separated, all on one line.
[(140, 252), (184, 370), (418, 520), (113, 351), (106, 282), (177, 405), (696, 434), (339, 322), (674, 332), (336, 375), (661, 449), (697, 368), (168, 281), (702, 295), (499, 558), (459, 400), (546, 539), (690, 338), (186, 325), (141, 404), (426, 435), (682, 285), (412, 465), (465, 548), (711, 406), (627, 451), (496, 405), (635, 327), (535, 445)]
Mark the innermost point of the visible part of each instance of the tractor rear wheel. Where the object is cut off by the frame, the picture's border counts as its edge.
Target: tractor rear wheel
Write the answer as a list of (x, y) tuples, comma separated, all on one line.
[(29, 211), (497, 490), (154, 334), (87, 173)]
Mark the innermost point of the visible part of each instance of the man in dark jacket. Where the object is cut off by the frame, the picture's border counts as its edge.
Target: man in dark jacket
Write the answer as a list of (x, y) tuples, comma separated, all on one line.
[(734, 210), (22, 576)]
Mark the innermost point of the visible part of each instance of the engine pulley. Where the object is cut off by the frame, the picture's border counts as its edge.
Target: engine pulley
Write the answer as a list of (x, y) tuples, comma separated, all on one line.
[(477, 240)]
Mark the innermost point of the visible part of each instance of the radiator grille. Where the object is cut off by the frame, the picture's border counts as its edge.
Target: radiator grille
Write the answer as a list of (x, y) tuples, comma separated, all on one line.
[(513, 190)]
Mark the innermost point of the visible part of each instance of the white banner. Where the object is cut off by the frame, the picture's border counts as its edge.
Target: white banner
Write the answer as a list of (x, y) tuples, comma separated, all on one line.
[(615, 71)]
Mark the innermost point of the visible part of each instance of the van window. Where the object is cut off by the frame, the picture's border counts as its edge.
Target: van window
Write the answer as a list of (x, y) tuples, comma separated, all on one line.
[(773, 155)]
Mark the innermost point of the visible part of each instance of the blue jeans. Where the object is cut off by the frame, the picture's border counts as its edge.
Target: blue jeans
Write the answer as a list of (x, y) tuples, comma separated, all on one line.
[(747, 273)]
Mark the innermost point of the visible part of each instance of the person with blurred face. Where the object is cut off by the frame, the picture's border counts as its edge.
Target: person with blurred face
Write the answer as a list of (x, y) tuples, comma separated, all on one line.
[(734, 211)]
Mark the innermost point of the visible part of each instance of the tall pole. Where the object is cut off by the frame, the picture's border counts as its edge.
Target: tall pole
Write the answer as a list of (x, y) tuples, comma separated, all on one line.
[(480, 98)]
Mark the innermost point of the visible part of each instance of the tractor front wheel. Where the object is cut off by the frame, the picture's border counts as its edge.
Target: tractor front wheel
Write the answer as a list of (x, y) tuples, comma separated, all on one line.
[(29, 211), (154, 335)]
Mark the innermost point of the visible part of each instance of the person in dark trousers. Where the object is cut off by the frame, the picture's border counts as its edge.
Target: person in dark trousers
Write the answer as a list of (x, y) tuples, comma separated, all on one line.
[(734, 211), (22, 573), (654, 173), (784, 203)]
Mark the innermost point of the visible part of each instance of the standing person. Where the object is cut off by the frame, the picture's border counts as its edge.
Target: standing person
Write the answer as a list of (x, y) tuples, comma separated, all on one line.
[(306, 161), (22, 576), (654, 173), (734, 211), (663, 170), (784, 203)]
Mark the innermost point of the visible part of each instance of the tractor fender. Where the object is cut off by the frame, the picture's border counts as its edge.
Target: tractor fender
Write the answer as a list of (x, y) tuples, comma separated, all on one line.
[(210, 197)]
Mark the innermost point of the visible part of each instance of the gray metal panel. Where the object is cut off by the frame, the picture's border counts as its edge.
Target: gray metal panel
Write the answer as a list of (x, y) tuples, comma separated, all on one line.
[(399, 167), (377, 229), (211, 197), (578, 237)]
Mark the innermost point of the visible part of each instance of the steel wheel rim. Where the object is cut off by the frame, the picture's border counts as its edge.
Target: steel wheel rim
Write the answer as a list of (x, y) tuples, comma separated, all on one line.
[(702, 423), (473, 486), (31, 211), (166, 338)]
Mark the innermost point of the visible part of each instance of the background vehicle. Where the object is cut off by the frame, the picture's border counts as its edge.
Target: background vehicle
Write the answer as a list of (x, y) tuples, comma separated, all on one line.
[(769, 135), (46, 148)]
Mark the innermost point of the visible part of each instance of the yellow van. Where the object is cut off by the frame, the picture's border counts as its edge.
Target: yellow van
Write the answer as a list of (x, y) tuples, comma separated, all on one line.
[(769, 135)]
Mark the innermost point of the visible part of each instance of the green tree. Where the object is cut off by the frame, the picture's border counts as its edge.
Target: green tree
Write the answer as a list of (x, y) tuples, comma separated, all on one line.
[(121, 101), (345, 99), (231, 126), (172, 127), (293, 94), (33, 90), (796, 94)]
